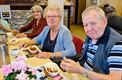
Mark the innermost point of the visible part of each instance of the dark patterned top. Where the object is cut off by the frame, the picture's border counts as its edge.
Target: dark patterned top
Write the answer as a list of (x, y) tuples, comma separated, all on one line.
[(36, 29), (49, 44), (114, 59)]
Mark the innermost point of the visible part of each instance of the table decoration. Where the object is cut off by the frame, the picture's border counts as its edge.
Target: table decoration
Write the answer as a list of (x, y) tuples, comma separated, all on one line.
[(19, 70)]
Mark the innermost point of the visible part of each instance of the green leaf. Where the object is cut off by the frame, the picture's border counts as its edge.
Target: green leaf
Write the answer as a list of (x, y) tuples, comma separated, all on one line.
[(11, 76)]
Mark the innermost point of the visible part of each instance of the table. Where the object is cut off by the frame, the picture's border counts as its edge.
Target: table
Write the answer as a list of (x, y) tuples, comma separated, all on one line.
[(65, 75), (37, 62)]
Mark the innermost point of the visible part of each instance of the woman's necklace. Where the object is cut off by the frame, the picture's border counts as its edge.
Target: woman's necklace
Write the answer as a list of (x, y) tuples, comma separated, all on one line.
[(51, 42)]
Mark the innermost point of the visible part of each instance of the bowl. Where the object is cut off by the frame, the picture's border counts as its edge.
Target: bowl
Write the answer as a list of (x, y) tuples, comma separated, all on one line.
[(33, 49), (52, 71)]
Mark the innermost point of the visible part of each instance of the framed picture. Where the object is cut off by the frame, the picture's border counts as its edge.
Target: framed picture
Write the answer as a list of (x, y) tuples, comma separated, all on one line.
[(94, 2), (5, 15), (5, 12)]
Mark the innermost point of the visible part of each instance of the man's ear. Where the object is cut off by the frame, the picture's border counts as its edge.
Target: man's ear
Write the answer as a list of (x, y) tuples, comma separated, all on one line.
[(105, 21)]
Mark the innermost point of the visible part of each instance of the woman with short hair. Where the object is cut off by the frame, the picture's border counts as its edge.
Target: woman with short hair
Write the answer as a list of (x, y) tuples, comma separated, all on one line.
[(55, 39), (37, 24)]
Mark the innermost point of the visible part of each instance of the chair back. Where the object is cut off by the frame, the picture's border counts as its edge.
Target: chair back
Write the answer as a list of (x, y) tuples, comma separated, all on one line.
[(78, 44), (115, 22)]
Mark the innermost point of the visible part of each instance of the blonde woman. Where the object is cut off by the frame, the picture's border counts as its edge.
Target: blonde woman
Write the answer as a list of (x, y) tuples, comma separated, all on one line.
[(55, 39)]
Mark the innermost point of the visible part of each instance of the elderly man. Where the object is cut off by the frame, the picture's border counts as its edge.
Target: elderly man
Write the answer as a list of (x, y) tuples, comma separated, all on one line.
[(102, 50)]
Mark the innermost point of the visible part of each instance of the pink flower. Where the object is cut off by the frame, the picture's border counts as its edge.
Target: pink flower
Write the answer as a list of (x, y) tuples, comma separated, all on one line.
[(14, 65), (19, 69), (34, 71), (22, 66), (19, 65), (6, 69), (21, 58)]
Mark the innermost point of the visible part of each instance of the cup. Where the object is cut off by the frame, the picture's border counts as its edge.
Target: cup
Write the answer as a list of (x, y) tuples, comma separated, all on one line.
[(15, 51), (15, 32)]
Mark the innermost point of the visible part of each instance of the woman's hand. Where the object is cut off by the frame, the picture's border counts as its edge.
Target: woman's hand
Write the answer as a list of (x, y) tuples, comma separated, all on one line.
[(22, 45), (71, 66), (1, 27), (21, 35), (44, 55)]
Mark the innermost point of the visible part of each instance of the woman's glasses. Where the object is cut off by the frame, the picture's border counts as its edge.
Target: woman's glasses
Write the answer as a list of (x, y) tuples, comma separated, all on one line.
[(55, 16), (35, 11)]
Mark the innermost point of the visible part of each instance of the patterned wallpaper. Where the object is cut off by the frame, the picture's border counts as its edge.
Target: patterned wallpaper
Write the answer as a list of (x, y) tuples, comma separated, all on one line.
[(22, 17)]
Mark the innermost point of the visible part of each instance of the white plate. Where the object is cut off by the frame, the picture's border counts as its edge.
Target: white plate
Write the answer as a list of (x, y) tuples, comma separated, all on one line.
[(50, 65)]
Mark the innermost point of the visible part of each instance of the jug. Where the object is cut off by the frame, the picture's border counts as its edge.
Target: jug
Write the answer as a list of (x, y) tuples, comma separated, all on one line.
[(3, 38), (4, 56)]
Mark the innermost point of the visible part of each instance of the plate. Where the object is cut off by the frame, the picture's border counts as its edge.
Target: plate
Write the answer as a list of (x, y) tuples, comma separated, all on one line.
[(49, 68)]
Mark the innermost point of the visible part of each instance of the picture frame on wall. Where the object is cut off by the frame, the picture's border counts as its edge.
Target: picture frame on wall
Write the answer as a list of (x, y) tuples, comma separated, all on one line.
[(5, 12), (5, 15), (94, 2)]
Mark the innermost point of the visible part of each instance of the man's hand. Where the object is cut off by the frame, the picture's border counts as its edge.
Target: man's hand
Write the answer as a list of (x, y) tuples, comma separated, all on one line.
[(71, 66)]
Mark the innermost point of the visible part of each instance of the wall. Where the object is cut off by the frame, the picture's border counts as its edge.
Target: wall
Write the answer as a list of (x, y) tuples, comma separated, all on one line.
[(115, 3), (90, 2), (81, 7)]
